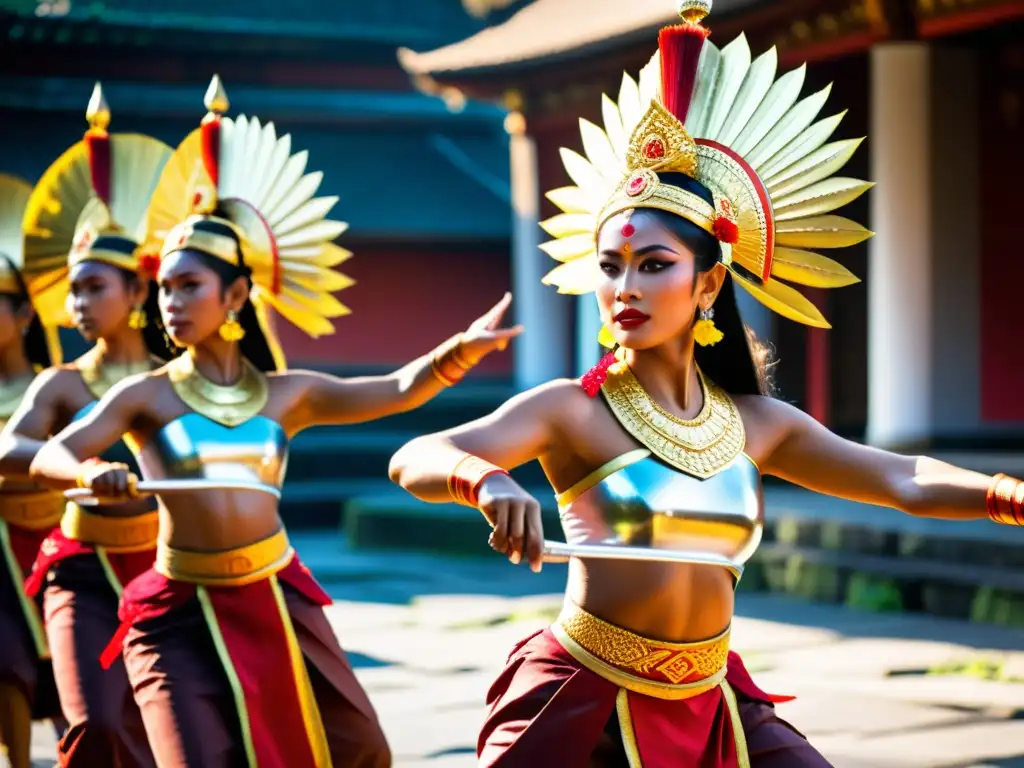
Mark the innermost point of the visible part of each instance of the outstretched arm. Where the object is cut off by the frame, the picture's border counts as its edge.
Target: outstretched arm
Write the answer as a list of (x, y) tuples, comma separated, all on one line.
[(468, 465), (30, 425), (59, 463), (808, 454), (332, 400)]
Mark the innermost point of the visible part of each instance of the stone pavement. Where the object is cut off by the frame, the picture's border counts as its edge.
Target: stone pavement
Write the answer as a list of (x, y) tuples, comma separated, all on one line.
[(427, 634)]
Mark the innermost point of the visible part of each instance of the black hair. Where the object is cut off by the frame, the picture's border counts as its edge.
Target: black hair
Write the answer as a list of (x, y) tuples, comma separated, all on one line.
[(154, 334), (254, 345), (35, 346), (739, 363)]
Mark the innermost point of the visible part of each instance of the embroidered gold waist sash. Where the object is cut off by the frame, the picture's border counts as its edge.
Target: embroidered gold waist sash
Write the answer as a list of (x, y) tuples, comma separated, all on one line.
[(231, 568), (35, 511), (134, 533), (650, 667)]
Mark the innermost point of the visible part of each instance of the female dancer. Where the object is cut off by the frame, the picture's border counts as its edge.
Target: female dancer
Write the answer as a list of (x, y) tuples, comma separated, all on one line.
[(225, 640), (711, 178), (84, 225), (26, 513)]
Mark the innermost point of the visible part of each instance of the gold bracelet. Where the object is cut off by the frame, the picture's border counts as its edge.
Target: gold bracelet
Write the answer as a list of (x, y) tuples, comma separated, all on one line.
[(459, 360), (83, 468), (435, 368), (1004, 501), (467, 476)]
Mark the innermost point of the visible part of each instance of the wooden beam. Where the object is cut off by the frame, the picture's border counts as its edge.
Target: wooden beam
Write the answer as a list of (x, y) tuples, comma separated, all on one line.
[(937, 19), (298, 106)]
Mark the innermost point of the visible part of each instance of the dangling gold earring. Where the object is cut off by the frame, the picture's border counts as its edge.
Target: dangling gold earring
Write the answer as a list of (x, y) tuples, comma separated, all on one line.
[(704, 331), (232, 330), (137, 320)]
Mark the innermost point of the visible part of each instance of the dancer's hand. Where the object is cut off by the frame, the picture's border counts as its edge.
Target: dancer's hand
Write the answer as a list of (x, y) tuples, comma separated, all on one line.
[(109, 480), (485, 335), (515, 516)]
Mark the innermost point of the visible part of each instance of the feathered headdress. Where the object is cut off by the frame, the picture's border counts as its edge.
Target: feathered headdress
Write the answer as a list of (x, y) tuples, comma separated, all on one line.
[(725, 121), (243, 170), (90, 205)]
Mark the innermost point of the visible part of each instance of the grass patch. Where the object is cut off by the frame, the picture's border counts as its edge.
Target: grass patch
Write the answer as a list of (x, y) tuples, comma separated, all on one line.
[(978, 669), (543, 615)]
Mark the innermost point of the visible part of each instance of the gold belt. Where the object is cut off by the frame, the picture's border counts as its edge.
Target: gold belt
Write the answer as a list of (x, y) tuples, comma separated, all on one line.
[(232, 568), (650, 667), (32, 510), (134, 533)]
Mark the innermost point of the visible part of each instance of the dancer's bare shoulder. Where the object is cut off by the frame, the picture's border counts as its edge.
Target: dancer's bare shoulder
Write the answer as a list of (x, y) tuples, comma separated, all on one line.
[(768, 421)]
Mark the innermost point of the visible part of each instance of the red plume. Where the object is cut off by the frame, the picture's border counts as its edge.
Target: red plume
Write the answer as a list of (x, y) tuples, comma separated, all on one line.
[(210, 135), (97, 142), (680, 47)]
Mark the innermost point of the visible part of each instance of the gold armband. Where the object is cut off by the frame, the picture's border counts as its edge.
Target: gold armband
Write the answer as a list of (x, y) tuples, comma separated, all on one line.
[(1005, 500), (448, 364), (467, 476)]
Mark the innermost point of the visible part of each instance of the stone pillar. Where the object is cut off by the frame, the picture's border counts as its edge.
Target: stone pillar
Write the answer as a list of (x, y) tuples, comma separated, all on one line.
[(956, 243), (541, 353), (900, 257)]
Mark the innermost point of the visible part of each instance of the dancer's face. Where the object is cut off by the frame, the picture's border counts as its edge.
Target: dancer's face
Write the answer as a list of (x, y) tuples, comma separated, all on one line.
[(649, 290), (194, 300), (13, 322), (101, 299)]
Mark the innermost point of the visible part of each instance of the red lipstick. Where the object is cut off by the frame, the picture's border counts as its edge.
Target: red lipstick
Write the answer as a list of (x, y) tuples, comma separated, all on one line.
[(630, 318)]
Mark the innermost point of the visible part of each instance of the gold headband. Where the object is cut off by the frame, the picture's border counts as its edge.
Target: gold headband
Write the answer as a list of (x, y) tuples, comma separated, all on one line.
[(111, 248), (644, 189), (185, 236)]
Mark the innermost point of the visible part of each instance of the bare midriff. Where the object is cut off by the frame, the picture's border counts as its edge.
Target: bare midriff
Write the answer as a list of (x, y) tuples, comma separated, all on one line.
[(217, 520), (674, 602)]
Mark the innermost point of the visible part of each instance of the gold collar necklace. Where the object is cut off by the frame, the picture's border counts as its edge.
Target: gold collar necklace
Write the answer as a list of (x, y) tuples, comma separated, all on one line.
[(231, 404), (700, 446), (100, 376)]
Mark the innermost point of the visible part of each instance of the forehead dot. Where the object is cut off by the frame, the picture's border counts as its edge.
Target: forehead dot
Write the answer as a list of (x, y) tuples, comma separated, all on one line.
[(628, 230)]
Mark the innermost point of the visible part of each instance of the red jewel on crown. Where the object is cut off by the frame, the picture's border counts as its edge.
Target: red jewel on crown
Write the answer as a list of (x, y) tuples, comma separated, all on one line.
[(636, 186), (85, 240), (654, 149)]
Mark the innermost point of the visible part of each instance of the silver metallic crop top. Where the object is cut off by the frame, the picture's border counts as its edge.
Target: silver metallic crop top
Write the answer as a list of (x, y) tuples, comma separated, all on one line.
[(195, 447), (637, 500)]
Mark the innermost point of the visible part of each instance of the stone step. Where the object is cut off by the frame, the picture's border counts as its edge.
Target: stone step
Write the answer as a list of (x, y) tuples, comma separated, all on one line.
[(360, 454), (319, 504), (874, 558), (401, 521)]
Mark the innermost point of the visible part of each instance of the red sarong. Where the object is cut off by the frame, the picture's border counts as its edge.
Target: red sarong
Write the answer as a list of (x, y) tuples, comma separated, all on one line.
[(547, 709), (121, 567), (26, 658), (256, 642)]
